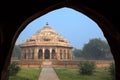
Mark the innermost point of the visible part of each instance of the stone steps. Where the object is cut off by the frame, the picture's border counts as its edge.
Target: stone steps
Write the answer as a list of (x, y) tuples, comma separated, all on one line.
[(46, 63)]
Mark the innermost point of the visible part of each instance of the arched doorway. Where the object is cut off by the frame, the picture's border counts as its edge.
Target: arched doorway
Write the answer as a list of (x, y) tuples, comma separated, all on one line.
[(40, 54), (47, 54), (53, 54)]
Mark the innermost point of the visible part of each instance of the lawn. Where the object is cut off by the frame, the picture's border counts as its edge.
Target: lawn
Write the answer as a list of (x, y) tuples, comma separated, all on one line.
[(73, 74), (26, 74)]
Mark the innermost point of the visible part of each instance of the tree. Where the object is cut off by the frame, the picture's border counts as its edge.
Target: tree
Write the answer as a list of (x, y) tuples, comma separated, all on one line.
[(77, 53), (13, 69), (96, 49), (16, 52), (87, 68), (111, 70)]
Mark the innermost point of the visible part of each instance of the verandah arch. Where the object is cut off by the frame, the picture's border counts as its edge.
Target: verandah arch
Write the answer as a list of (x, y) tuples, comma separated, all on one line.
[(95, 16), (47, 54), (40, 54), (53, 54)]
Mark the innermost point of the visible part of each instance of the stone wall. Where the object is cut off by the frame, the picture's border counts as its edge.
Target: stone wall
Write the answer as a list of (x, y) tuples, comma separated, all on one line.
[(28, 63), (74, 64), (61, 64)]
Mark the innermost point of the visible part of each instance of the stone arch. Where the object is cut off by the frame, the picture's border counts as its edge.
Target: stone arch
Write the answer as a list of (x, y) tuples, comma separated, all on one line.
[(47, 54), (40, 52), (108, 29), (92, 14), (53, 54), (98, 18)]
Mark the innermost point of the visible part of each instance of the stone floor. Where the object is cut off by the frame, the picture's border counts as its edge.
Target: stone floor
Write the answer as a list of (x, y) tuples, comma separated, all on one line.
[(48, 73)]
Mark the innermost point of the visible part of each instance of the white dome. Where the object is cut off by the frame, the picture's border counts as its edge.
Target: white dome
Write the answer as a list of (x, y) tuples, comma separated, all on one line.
[(47, 36)]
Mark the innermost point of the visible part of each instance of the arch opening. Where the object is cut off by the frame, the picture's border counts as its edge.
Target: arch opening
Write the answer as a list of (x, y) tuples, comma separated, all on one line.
[(40, 54), (64, 54), (47, 54)]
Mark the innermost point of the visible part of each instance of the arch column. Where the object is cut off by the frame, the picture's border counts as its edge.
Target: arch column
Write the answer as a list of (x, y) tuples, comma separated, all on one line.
[(66, 54), (62, 55), (32, 52), (22, 55), (50, 53), (70, 54), (56, 53), (43, 53), (35, 53), (30, 57), (26, 54)]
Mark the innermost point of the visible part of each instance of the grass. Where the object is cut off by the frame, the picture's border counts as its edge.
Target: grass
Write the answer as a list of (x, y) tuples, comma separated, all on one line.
[(63, 74), (26, 74), (73, 74)]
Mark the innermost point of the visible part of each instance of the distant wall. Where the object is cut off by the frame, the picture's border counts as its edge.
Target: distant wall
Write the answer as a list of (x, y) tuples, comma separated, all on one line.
[(61, 64), (74, 64)]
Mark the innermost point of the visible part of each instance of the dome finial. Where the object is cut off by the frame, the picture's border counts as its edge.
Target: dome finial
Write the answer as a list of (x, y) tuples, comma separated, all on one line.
[(46, 23)]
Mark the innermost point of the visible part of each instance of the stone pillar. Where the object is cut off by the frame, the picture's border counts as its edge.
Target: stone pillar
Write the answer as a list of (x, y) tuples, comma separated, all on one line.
[(35, 53), (26, 54), (43, 53), (70, 54), (30, 52), (62, 54), (55, 53), (66, 55), (22, 55), (58, 53), (50, 52)]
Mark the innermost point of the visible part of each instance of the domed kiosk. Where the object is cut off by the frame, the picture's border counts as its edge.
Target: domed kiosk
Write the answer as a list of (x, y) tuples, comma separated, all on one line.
[(46, 44)]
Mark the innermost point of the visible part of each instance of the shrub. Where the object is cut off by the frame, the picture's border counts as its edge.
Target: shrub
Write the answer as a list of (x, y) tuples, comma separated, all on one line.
[(111, 70), (87, 68), (13, 69)]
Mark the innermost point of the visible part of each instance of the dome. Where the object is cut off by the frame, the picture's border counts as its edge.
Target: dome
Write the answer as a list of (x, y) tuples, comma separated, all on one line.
[(48, 37), (46, 29)]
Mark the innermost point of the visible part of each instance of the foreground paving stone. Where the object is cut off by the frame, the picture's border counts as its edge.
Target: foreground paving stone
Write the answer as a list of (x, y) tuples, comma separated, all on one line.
[(48, 73)]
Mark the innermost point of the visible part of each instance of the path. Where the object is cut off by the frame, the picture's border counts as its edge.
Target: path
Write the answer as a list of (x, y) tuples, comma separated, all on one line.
[(48, 73)]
